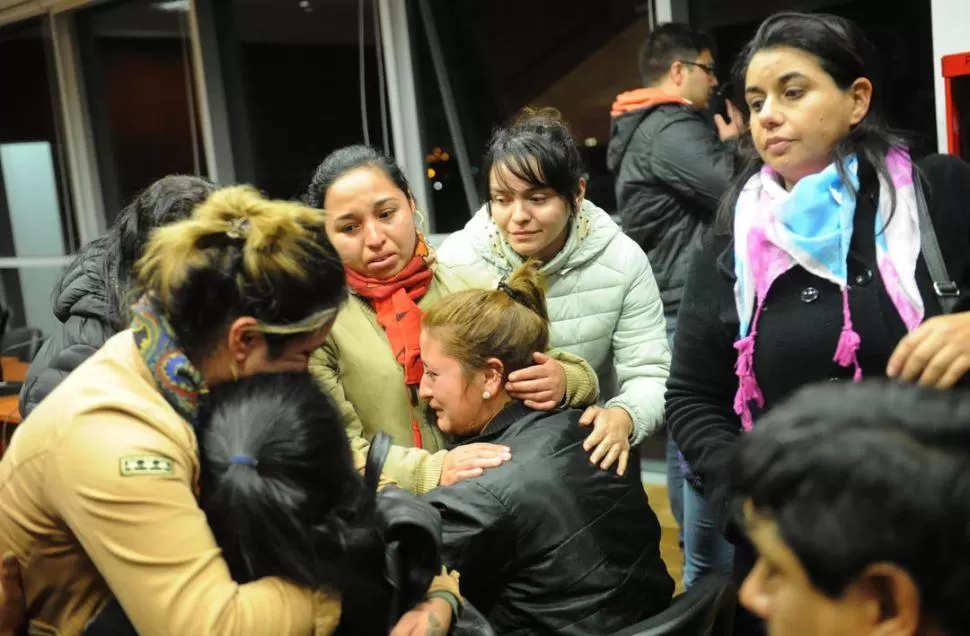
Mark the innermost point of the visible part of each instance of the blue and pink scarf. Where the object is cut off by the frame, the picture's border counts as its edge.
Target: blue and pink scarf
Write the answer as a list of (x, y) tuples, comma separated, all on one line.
[(811, 227)]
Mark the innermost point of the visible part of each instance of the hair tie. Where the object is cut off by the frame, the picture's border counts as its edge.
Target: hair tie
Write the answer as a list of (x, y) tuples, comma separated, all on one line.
[(514, 294), (247, 460), (238, 228)]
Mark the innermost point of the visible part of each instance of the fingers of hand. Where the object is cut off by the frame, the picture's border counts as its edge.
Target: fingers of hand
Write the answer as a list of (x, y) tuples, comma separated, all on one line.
[(920, 356), (535, 372), (624, 461), (956, 371), (945, 368), (611, 456), (597, 436), (530, 388), (548, 405), (906, 347), (478, 456), (589, 416)]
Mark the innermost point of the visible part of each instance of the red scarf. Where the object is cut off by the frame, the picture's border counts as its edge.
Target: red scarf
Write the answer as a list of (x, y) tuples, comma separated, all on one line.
[(395, 301)]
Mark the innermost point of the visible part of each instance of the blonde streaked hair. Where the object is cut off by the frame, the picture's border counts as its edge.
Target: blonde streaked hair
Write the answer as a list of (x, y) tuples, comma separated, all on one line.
[(244, 254)]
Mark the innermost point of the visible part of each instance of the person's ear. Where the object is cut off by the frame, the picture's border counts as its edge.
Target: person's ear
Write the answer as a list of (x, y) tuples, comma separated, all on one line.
[(891, 600), (581, 194), (243, 338), (677, 72), (861, 94), (492, 376)]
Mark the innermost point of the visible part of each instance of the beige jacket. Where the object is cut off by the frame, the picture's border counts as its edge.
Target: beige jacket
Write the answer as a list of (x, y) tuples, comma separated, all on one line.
[(357, 367), (89, 523)]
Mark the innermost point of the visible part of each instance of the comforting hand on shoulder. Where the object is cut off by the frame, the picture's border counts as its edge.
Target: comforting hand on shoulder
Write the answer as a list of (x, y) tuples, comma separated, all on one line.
[(430, 618), (610, 439), (471, 460), (937, 353), (542, 386)]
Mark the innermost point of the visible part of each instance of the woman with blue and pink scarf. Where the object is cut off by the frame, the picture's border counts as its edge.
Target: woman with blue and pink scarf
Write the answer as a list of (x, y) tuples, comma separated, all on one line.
[(817, 271)]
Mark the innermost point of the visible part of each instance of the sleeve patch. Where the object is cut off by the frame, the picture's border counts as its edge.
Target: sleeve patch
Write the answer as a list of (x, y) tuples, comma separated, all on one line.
[(155, 465)]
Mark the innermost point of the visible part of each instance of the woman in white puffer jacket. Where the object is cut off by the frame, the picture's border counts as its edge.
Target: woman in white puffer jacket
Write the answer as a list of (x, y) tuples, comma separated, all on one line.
[(603, 300)]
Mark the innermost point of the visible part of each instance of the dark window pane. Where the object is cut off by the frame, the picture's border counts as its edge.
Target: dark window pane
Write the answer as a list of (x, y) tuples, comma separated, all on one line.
[(292, 78), (136, 57), (578, 60)]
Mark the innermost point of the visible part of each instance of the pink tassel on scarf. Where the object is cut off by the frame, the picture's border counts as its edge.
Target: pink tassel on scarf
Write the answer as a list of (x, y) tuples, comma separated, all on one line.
[(847, 353), (748, 388)]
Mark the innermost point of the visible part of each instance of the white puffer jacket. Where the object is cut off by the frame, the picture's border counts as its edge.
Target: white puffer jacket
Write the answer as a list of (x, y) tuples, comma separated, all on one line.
[(603, 305)]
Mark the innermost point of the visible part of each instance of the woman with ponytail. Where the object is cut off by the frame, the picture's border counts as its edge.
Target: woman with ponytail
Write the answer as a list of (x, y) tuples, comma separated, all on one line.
[(101, 483), (547, 543), (283, 497), (371, 363)]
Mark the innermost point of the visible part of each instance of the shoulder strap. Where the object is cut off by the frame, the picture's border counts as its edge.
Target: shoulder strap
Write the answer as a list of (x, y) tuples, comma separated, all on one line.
[(380, 446), (947, 292)]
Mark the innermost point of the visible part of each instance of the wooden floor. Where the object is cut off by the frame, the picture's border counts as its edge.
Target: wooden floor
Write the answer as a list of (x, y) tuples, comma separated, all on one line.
[(669, 546)]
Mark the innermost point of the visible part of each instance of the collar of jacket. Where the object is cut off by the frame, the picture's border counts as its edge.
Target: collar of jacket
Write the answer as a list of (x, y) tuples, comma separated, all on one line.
[(513, 412), (590, 233)]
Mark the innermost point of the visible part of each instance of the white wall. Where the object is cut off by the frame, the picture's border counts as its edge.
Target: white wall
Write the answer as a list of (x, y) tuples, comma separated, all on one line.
[(951, 34)]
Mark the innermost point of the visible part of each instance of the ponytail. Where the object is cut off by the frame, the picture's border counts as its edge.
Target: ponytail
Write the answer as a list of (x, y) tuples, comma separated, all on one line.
[(284, 499), (509, 323)]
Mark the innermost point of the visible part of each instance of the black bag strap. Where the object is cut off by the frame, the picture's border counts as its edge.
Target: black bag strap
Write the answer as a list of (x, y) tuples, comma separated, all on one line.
[(947, 291), (380, 446)]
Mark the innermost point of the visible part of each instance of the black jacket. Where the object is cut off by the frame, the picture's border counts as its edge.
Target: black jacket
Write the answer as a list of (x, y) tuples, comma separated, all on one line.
[(80, 303), (671, 169), (548, 543), (800, 325)]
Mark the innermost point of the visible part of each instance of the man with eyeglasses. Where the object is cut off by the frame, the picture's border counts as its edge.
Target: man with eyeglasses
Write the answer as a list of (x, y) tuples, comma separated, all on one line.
[(672, 166)]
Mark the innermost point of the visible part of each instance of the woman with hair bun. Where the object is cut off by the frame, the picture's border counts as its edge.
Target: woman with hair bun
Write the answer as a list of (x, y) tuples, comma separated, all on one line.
[(547, 542)]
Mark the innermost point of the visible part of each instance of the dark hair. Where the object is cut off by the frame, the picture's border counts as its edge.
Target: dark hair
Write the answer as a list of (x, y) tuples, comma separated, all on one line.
[(666, 44), (243, 255), (859, 474), (846, 55), (538, 148), (283, 497), (169, 199), (340, 162)]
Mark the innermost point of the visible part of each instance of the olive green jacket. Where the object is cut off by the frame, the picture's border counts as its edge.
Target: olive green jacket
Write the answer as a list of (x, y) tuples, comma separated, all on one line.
[(359, 371)]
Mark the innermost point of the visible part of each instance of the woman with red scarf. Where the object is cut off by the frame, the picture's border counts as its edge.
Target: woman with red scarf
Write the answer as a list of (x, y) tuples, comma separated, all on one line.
[(371, 363)]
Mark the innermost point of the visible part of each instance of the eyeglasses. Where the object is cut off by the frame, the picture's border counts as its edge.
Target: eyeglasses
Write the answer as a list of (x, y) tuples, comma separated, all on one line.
[(707, 68)]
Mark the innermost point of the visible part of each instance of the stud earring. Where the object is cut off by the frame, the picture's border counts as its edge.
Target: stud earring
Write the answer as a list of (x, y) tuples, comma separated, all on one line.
[(486, 395)]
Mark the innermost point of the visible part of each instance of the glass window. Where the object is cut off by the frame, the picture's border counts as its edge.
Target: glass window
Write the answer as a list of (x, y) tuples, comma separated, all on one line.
[(293, 77), (498, 61), (36, 225), (137, 63)]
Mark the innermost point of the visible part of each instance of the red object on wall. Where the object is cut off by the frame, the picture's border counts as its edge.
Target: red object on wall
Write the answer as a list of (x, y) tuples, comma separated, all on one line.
[(956, 75)]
